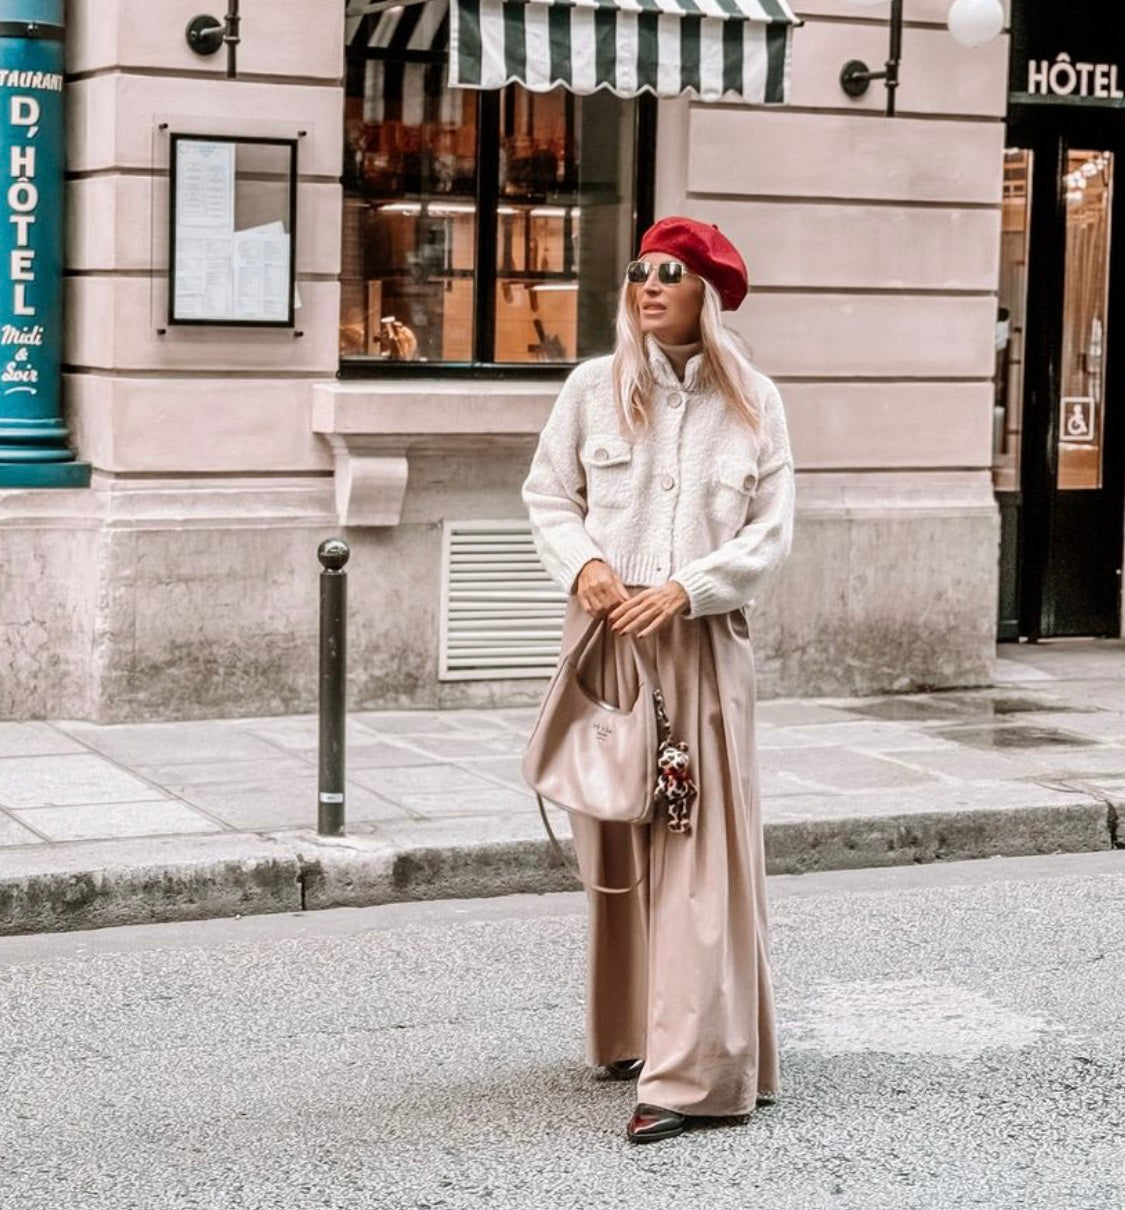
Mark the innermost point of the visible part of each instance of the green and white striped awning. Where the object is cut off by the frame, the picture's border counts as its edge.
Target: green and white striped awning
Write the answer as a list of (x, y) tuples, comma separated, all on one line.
[(712, 48), (708, 47)]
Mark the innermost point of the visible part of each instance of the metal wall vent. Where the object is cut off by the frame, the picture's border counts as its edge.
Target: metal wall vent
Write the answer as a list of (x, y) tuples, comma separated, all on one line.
[(501, 614)]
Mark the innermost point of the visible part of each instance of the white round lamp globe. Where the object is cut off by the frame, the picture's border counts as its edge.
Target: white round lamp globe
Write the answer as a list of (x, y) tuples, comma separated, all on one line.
[(975, 22)]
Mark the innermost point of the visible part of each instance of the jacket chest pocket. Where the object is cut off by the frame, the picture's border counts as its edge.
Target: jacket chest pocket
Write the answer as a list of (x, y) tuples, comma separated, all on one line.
[(736, 481), (608, 461)]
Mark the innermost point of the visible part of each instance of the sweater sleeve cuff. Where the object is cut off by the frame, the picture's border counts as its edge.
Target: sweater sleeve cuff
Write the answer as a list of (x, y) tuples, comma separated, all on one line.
[(574, 554), (702, 592)]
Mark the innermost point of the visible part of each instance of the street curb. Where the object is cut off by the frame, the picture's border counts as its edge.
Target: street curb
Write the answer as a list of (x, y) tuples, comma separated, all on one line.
[(107, 883), (362, 872), (956, 835)]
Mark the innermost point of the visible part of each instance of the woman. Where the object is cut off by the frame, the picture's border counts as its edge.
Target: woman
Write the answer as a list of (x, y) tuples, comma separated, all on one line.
[(660, 495)]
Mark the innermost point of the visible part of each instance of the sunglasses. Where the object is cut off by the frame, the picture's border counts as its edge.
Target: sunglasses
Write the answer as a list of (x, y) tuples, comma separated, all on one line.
[(668, 273)]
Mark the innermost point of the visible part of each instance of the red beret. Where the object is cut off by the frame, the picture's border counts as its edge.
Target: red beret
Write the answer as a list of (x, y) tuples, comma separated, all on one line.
[(706, 252)]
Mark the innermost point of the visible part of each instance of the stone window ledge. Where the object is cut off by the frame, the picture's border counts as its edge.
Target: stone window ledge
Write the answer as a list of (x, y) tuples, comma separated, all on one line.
[(372, 427)]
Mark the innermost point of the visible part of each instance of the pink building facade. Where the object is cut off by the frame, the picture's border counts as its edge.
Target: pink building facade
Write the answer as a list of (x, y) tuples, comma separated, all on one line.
[(183, 581)]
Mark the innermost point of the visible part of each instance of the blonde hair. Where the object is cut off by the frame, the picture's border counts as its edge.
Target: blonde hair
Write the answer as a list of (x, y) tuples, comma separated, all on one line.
[(726, 365)]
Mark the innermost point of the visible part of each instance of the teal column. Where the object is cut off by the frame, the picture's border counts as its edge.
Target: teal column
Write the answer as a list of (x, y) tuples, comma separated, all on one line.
[(33, 438)]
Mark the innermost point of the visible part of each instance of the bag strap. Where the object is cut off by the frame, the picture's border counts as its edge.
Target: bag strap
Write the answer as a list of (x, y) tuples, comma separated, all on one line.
[(595, 634), (560, 852)]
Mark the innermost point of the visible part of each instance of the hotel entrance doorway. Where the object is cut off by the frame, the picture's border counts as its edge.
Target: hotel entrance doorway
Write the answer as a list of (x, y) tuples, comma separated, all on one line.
[(1059, 408)]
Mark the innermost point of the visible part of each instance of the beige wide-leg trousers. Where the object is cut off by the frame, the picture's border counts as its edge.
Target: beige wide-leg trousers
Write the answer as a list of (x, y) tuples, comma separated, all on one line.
[(679, 969)]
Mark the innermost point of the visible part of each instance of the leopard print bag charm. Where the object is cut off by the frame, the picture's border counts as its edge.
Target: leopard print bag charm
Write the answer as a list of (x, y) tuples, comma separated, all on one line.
[(675, 791)]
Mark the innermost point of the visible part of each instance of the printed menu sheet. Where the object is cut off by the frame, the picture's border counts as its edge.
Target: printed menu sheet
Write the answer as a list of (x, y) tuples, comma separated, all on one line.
[(261, 273), (205, 184), (222, 274)]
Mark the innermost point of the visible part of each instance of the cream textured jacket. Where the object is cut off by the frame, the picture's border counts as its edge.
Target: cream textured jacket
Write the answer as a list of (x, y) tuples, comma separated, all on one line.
[(697, 498)]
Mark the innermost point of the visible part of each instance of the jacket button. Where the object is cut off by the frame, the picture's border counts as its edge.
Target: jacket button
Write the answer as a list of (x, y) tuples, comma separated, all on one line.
[(675, 401), (667, 483), (748, 482), (601, 455)]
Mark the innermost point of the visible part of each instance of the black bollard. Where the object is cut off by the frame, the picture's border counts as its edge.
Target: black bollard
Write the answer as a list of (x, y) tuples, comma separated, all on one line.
[(333, 555)]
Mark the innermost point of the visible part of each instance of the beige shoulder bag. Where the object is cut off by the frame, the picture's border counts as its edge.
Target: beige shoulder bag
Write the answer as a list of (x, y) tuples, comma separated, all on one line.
[(609, 762)]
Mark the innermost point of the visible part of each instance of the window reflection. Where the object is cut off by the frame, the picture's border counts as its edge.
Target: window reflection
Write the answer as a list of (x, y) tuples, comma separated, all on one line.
[(1089, 188), (1011, 321), (564, 222), (410, 181)]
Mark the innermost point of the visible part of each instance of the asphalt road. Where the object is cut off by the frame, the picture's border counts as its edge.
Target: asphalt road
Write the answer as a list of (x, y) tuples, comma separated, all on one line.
[(952, 1036)]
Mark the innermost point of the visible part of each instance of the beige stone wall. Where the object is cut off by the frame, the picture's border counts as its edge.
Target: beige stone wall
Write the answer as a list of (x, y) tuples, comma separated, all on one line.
[(183, 583), (207, 400)]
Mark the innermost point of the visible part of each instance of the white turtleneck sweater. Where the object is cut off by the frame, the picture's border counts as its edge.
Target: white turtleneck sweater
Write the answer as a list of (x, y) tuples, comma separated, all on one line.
[(697, 498)]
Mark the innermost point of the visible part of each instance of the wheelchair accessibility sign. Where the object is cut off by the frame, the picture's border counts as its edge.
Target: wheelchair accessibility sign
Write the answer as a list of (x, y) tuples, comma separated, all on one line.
[(1077, 420)]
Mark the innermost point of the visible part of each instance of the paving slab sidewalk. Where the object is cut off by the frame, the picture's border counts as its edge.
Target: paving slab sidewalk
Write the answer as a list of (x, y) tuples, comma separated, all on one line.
[(106, 825)]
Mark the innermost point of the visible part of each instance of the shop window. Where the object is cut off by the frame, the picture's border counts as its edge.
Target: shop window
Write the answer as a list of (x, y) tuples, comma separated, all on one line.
[(481, 228)]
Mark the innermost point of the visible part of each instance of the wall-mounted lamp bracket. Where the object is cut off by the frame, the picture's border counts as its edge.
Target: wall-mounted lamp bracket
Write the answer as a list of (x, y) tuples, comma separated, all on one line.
[(208, 35), (205, 35), (855, 78)]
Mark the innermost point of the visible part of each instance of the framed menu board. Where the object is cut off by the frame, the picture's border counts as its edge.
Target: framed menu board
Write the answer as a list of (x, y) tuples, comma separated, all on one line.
[(232, 230)]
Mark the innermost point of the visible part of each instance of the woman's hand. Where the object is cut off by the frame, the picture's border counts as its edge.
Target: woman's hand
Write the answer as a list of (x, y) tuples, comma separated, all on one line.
[(649, 609), (599, 588)]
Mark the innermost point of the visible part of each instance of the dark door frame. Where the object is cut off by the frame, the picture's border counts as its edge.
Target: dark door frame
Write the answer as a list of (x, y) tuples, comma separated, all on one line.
[(1049, 131)]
